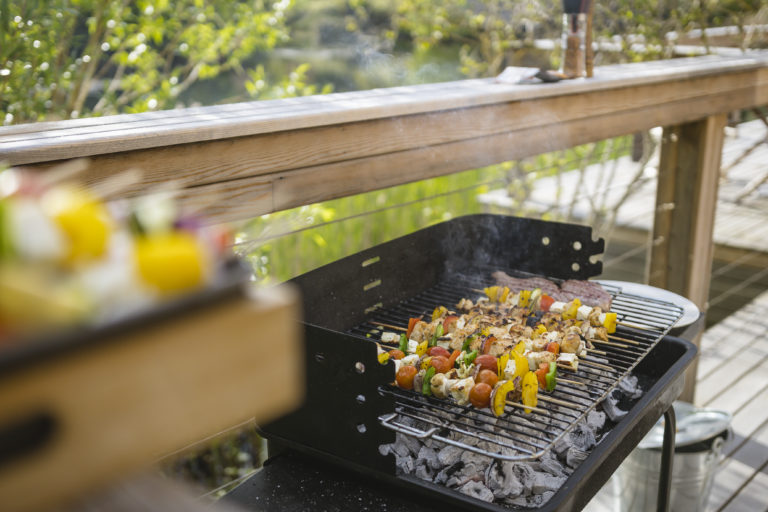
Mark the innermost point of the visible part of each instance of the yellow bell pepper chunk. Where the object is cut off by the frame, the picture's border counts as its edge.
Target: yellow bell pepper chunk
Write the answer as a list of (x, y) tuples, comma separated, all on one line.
[(519, 348), (421, 349), (502, 364), (500, 396), (504, 294), (610, 323), (492, 292), (572, 309), (383, 357), (525, 298), (170, 262), (540, 329), (425, 363), (530, 387), (438, 312), (521, 365), (83, 219)]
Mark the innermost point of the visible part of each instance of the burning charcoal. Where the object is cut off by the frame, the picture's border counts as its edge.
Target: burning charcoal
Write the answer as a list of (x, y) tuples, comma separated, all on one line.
[(574, 457), (424, 472), (525, 475), (401, 449), (629, 387), (561, 447), (596, 420), (501, 480), (443, 476), (477, 490), (551, 465), (475, 458), (406, 464), (429, 457), (611, 408), (544, 482), (449, 455), (413, 444), (582, 437), (467, 473)]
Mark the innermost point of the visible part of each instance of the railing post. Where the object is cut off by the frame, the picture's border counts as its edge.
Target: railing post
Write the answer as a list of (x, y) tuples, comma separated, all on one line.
[(686, 197)]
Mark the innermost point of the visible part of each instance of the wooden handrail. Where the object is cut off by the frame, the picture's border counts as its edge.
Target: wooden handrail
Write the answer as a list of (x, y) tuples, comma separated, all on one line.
[(241, 160)]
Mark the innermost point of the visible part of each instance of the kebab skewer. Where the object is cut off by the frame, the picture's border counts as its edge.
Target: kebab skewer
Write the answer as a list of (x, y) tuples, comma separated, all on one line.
[(418, 372)]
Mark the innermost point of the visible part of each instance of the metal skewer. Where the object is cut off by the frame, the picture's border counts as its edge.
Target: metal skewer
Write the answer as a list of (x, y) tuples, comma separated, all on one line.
[(634, 326), (608, 343), (625, 340), (568, 381), (555, 401), (389, 326), (597, 365), (521, 406)]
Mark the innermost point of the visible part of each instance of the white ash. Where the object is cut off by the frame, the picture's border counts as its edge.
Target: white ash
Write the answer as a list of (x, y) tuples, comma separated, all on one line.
[(512, 483), (477, 490), (501, 480)]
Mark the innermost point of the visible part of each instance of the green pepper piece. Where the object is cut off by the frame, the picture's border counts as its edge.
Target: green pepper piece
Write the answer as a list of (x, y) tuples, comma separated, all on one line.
[(469, 358), (425, 389), (467, 342), (403, 343), (438, 332), (551, 376)]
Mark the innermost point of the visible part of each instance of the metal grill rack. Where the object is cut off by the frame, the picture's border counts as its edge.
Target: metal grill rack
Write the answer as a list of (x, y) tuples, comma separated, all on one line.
[(517, 435)]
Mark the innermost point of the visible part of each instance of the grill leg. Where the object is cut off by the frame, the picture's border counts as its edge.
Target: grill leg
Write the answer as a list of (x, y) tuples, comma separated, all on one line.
[(667, 456)]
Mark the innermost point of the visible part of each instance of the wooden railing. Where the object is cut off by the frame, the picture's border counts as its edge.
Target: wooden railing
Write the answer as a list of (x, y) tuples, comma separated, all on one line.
[(241, 160)]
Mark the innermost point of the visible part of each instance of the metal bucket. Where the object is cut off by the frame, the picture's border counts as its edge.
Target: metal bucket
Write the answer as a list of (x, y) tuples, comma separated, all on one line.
[(701, 434)]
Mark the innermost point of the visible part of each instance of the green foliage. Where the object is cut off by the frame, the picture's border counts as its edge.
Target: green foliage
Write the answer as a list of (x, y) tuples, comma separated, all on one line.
[(70, 58), (484, 33)]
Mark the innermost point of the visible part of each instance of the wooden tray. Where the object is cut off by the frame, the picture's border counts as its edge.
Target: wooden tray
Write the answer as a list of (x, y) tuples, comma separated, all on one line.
[(82, 409)]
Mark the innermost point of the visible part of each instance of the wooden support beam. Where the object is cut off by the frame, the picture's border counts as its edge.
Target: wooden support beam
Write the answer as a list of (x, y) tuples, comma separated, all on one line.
[(686, 197)]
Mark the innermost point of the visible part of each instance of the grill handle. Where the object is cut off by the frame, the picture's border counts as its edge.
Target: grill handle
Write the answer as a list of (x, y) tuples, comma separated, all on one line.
[(386, 421)]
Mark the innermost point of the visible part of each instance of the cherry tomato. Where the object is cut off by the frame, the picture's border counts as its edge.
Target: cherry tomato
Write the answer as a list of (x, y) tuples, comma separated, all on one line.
[(439, 351), (553, 347), (440, 363), (405, 375), (546, 302), (487, 377), (449, 323), (396, 353), (487, 362), (480, 395)]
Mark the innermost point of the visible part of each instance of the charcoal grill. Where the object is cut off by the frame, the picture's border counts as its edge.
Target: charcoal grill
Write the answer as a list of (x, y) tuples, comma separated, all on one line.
[(351, 410)]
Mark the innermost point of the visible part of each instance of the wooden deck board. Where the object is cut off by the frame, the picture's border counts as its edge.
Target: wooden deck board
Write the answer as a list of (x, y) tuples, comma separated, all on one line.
[(733, 378)]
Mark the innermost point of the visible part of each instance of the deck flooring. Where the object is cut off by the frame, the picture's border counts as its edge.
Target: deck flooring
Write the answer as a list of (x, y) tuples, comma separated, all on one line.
[(732, 377)]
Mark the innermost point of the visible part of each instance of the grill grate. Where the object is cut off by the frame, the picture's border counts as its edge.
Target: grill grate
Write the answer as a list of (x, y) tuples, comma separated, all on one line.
[(519, 436)]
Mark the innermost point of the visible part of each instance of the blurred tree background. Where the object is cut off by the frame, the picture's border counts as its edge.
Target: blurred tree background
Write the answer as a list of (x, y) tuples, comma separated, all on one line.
[(64, 59)]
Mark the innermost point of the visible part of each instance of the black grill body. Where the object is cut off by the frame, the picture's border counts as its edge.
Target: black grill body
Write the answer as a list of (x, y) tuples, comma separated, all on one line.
[(347, 389)]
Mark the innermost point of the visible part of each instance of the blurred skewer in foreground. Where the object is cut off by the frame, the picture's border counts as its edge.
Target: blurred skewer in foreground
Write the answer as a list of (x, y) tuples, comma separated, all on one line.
[(70, 257)]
